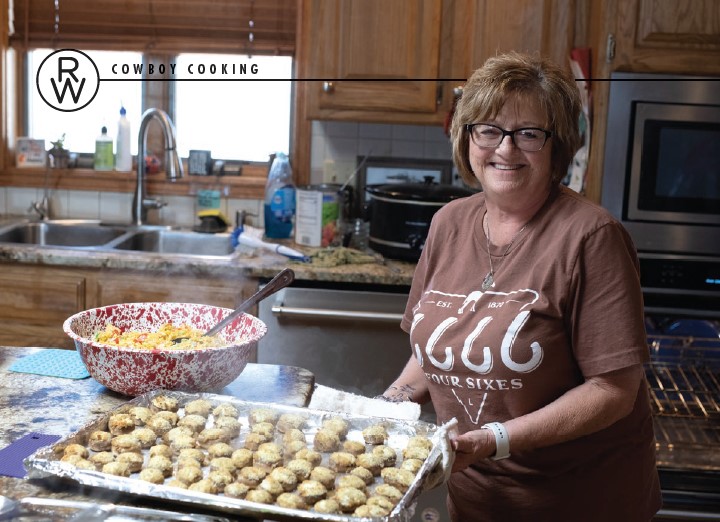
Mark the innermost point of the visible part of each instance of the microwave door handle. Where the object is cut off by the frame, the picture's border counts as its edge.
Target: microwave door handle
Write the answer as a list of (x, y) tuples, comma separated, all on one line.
[(295, 311)]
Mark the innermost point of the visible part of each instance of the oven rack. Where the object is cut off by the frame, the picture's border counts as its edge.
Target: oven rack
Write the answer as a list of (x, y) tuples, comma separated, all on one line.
[(684, 348), (684, 383), (685, 390)]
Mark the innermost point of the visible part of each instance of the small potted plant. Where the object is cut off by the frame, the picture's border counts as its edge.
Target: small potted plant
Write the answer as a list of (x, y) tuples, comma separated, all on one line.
[(58, 154)]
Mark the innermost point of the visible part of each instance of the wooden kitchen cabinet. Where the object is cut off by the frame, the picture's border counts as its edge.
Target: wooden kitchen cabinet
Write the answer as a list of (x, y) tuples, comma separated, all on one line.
[(399, 61), (34, 303), (371, 60), (36, 300), (669, 36), (129, 286), (485, 28)]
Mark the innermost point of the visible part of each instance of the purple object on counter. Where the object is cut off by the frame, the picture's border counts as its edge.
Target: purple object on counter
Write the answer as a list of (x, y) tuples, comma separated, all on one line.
[(12, 456)]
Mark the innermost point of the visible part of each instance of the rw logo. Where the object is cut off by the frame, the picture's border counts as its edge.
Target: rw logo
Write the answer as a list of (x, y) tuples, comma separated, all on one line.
[(68, 80)]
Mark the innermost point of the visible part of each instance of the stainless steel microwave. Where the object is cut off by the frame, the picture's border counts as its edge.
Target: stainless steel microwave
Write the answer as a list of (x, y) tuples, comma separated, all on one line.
[(662, 161), (661, 179)]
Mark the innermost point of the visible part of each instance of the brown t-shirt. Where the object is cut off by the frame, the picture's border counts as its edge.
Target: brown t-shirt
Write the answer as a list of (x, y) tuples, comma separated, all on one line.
[(566, 305)]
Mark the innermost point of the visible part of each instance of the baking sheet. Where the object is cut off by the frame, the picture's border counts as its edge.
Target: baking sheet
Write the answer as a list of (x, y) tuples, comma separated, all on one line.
[(46, 461)]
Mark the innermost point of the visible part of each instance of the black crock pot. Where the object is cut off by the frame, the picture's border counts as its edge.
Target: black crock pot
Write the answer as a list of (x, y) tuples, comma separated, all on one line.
[(400, 215)]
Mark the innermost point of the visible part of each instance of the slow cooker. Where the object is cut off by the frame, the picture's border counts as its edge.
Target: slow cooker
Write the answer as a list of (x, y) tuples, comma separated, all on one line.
[(400, 215)]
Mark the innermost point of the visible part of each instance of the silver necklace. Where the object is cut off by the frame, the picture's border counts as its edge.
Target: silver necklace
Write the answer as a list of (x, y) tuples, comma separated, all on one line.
[(489, 280)]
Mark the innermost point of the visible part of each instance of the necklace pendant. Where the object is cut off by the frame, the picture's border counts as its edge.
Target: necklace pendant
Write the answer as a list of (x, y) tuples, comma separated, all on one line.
[(488, 282)]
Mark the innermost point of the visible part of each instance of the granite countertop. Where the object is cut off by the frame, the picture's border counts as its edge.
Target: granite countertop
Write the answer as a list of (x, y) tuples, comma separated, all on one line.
[(243, 263), (384, 271), (32, 403)]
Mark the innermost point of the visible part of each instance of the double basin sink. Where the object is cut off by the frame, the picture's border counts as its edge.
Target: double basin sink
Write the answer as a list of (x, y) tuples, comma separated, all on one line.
[(96, 236)]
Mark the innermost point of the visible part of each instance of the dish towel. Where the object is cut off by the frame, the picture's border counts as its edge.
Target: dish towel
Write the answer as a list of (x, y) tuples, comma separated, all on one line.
[(441, 473), (330, 399)]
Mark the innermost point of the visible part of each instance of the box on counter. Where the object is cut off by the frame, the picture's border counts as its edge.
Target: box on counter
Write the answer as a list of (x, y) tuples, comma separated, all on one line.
[(316, 217), (30, 152)]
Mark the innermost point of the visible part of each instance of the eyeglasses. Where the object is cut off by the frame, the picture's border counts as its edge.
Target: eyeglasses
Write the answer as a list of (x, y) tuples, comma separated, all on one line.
[(530, 139)]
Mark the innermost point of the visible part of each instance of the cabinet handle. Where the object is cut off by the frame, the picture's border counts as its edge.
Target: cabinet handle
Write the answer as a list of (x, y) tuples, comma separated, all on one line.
[(335, 314), (328, 87)]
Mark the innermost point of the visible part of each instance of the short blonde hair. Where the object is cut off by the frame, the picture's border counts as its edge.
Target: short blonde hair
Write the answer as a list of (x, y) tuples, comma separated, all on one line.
[(490, 86)]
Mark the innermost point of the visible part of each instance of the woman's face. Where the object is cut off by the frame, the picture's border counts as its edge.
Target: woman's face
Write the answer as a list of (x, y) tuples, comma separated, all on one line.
[(507, 172)]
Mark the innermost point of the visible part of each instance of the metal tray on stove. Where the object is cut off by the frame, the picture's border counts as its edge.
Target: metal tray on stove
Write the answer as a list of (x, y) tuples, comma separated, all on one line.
[(46, 461)]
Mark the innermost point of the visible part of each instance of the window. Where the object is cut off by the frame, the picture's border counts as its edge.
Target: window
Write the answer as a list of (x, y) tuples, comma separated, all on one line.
[(82, 127), (240, 120), (244, 117)]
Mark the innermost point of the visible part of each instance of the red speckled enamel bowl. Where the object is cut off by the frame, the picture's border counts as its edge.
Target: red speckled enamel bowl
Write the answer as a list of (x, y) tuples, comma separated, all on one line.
[(134, 371)]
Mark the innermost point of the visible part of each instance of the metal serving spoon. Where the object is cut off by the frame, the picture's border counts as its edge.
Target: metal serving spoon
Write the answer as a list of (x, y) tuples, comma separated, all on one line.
[(280, 281)]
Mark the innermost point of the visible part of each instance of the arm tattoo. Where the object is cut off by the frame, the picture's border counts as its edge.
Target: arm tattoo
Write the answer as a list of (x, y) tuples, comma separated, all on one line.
[(395, 394)]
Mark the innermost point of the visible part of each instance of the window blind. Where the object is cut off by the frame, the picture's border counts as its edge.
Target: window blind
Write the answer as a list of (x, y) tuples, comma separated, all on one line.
[(172, 26)]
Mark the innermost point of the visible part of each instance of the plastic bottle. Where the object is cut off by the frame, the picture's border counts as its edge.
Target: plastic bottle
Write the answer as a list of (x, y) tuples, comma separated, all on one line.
[(123, 154), (104, 158), (279, 199)]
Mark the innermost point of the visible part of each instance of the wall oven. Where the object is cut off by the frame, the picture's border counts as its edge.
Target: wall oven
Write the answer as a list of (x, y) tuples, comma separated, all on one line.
[(662, 181)]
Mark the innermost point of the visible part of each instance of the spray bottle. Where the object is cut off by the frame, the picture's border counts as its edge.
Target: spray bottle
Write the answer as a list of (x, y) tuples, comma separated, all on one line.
[(123, 154)]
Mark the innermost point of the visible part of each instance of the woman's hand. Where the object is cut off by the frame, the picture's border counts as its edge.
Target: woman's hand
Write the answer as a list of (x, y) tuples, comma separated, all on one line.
[(471, 447)]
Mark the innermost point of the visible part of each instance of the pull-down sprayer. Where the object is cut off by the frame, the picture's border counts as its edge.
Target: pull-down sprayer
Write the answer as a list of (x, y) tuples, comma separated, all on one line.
[(173, 165)]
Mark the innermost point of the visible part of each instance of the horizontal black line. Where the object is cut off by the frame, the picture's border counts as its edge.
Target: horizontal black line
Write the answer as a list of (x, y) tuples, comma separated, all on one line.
[(699, 79)]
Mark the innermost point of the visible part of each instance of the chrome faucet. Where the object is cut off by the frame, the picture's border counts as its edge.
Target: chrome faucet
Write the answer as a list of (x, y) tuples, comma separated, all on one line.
[(173, 165), (41, 208)]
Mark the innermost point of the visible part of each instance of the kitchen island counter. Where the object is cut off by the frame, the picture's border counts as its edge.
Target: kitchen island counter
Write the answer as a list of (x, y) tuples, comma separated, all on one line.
[(31, 403)]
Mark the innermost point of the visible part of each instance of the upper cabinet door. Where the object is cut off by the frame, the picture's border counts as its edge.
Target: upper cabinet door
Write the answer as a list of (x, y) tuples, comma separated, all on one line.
[(673, 36), (370, 56), (485, 28)]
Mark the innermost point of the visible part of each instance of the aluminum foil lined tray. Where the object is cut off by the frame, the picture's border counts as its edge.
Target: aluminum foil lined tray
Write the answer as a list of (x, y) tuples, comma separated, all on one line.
[(46, 461)]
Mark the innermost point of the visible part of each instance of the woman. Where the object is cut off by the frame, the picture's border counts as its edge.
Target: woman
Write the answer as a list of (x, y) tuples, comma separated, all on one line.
[(526, 318)]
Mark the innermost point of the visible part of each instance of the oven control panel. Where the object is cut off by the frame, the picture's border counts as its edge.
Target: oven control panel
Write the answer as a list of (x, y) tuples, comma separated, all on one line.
[(680, 273), (679, 285)]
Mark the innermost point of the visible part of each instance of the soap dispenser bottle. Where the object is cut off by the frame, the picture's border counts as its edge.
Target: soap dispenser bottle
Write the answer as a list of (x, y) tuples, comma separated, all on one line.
[(123, 155), (104, 159)]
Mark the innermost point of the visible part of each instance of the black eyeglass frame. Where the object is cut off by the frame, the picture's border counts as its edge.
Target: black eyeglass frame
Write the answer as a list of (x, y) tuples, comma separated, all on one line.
[(469, 128)]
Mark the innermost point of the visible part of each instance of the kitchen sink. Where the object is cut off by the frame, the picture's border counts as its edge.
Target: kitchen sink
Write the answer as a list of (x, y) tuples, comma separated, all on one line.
[(176, 242), (93, 235), (67, 234)]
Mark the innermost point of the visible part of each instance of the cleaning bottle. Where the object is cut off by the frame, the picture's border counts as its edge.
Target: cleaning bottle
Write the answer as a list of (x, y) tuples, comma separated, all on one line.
[(104, 159), (279, 199), (123, 154)]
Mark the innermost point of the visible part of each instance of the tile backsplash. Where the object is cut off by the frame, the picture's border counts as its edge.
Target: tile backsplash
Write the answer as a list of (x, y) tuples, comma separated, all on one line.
[(334, 156), (115, 207), (337, 145)]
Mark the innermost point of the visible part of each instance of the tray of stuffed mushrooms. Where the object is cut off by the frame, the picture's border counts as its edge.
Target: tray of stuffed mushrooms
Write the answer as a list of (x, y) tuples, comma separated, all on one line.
[(253, 459)]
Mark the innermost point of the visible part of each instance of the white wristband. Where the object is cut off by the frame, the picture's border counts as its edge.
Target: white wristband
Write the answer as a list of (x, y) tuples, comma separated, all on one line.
[(502, 440)]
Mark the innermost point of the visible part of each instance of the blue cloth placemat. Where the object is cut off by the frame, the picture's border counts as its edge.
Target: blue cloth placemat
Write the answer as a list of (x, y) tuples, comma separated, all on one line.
[(53, 362), (13, 456)]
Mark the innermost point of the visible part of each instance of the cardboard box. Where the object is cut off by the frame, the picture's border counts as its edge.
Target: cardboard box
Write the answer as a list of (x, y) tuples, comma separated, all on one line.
[(30, 152)]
